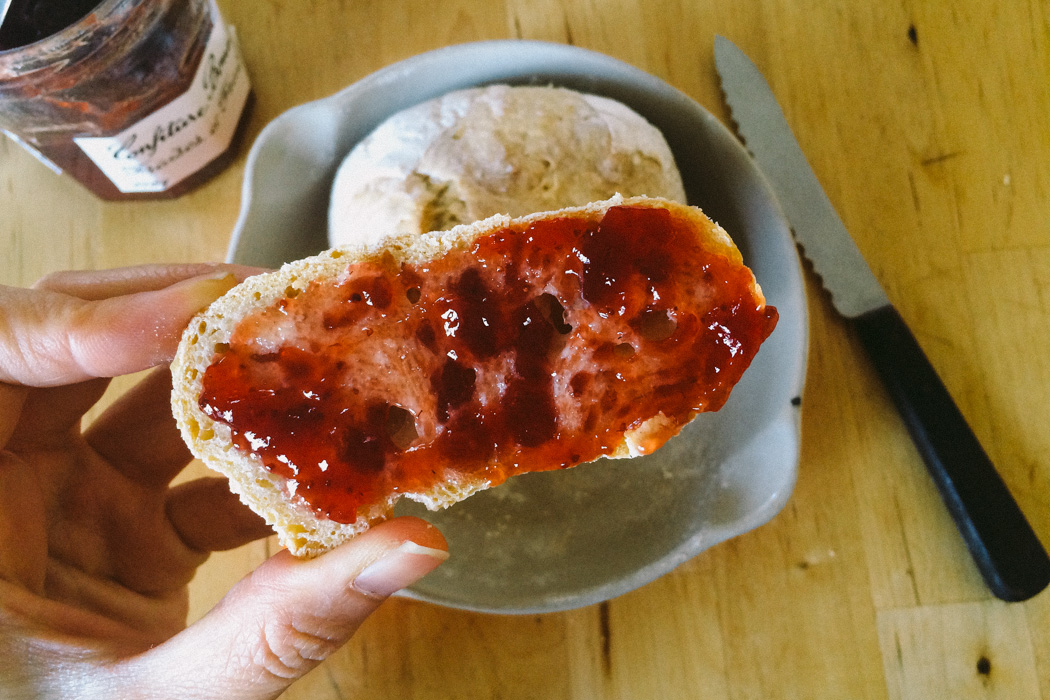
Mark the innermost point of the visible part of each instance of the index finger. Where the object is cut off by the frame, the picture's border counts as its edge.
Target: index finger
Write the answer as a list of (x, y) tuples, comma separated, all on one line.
[(92, 285), (49, 338)]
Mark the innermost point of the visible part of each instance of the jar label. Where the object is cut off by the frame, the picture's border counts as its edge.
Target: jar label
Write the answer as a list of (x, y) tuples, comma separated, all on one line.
[(186, 134)]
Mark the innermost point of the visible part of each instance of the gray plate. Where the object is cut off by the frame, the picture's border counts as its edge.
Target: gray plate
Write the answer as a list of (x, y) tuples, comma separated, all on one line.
[(556, 541)]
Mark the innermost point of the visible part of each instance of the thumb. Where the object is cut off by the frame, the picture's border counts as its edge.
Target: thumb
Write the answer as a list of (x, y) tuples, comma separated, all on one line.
[(288, 615)]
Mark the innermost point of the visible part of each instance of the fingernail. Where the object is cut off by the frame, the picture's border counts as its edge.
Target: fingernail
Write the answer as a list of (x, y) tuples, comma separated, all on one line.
[(397, 569), (202, 291)]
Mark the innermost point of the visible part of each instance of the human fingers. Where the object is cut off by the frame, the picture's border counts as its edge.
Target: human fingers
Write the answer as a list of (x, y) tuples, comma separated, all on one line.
[(48, 417), (49, 339), (23, 530), (92, 285), (209, 518), (288, 616), (138, 435), (12, 399)]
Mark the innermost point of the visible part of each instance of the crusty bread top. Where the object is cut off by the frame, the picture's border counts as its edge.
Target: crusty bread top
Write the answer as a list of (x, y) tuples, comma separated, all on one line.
[(526, 149), (299, 528)]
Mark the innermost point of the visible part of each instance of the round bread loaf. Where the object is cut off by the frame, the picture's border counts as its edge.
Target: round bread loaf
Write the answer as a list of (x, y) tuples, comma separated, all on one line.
[(474, 153), (606, 358)]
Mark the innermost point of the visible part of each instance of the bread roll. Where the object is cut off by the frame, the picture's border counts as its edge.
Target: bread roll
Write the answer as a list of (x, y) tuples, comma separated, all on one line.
[(474, 153), (433, 366)]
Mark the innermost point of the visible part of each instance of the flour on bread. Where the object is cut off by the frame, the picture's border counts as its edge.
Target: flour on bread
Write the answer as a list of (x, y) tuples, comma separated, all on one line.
[(473, 153)]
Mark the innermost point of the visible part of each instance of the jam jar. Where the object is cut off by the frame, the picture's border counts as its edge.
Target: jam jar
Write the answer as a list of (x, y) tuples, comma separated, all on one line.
[(133, 98)]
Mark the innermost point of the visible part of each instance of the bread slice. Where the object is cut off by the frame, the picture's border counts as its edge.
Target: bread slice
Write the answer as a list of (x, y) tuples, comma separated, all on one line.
[(254, 312)]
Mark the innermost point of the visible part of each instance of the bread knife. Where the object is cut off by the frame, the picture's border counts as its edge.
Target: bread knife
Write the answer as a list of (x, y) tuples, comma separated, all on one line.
[(1006, 550)]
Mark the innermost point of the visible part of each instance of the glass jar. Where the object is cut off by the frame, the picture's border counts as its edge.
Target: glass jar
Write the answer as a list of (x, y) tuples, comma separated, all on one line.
[(136, 99)]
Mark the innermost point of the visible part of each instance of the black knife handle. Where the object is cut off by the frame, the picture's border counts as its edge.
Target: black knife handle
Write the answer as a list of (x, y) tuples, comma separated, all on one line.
[(1007, 552)]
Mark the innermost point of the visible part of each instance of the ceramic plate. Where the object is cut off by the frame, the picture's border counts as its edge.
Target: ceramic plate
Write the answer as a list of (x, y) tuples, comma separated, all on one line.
[(556, 541)]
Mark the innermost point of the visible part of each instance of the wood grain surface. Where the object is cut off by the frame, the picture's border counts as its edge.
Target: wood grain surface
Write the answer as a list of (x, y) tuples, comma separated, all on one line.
[(929, 125)]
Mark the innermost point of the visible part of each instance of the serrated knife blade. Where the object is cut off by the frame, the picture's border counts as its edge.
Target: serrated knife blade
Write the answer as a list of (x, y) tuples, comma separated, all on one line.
[(815, 223), (1006, 550)]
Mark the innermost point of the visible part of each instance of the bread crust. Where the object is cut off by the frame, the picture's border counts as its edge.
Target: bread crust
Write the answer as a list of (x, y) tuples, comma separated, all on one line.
[(301, 530)]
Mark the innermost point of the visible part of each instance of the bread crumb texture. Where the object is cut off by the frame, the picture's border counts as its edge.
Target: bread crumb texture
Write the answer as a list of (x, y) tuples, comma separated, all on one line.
[(273, 497)]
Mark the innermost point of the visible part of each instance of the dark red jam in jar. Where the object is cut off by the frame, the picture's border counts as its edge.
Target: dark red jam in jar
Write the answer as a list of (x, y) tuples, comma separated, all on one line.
[(133, 98), (528, 350), (29, 21)]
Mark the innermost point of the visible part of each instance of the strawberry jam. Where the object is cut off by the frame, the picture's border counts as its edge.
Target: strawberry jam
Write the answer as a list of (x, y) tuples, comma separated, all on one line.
[(528, 350)]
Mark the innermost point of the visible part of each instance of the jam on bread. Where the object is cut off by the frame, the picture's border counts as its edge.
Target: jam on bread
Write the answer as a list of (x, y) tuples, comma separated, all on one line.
[(526, 349)]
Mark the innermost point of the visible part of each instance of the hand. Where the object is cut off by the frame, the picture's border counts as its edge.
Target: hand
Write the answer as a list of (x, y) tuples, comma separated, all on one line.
[(96, 547)]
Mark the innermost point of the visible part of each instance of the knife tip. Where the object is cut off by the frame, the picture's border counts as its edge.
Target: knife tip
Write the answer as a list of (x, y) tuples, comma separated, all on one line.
[(720, 42), (726, 53)]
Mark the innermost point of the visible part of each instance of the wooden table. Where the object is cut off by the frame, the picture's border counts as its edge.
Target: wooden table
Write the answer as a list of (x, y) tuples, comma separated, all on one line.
[(929, 126)]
